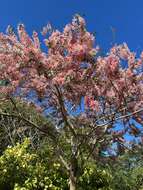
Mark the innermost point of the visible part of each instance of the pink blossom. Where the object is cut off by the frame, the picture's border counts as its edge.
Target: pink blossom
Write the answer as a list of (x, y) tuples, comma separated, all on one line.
[(26, 66), (91, 103)]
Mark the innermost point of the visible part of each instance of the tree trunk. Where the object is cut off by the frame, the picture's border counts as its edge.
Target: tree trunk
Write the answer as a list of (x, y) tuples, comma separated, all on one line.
[(73, 174), (72, 183), (73, 170)]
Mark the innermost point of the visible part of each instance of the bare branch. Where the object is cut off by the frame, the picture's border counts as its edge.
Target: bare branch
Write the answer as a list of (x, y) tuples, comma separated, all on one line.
[(63, 111)]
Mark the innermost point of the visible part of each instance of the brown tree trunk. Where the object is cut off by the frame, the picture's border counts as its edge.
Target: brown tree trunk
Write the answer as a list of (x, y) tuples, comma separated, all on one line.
[(73, 173)]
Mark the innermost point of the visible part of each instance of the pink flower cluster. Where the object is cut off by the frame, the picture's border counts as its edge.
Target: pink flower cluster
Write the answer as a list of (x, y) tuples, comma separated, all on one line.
[(104, 83)]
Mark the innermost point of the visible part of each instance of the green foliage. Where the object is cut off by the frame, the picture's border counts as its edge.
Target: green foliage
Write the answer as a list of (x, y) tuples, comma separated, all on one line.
[(95, 178), (26, 110), (20, 168), (127, 172), (14, 128)]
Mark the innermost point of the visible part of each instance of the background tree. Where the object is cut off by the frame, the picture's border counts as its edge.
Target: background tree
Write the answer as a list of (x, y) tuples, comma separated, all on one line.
[(16, 127)]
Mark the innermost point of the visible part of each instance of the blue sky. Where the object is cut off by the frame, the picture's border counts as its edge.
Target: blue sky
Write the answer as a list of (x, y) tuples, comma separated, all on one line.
[(125, 16)]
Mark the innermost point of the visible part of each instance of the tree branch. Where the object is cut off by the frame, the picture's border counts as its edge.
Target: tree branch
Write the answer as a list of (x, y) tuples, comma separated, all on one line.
[(63, 111)]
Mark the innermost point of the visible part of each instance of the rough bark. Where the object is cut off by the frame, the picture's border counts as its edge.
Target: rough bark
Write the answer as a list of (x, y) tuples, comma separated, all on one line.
[(73, 173)]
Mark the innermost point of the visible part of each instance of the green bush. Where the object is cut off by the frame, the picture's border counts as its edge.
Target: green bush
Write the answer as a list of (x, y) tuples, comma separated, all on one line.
[(23, 170), (95, 178)]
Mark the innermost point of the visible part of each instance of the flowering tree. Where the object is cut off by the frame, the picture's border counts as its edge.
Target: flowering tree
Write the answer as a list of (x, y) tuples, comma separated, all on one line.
[(72, 70)]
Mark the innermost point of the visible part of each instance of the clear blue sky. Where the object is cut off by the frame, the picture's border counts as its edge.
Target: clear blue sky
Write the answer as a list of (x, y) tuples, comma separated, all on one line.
[(126, 16)]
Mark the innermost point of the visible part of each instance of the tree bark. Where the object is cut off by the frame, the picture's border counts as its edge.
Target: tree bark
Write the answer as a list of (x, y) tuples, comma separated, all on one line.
[(73, 173), (72, 182)]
